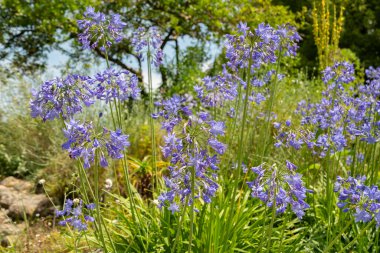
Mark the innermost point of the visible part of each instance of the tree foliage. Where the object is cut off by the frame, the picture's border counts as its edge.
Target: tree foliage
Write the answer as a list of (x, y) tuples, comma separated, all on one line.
[(361, 30), (30, 30)]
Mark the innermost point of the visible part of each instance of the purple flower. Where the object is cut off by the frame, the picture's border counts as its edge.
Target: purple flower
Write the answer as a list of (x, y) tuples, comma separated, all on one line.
[(186, 148), (243, 28), (219, 147), (73, 214), (111, 84), (217, 127), (171, 111), (362, 215), (150, 41), (340, 72), (290, 165), (62, 97), (340, 117), (173, 207), (354, 195), (116, 144), (82, 142), (98, 28), (283, 188)]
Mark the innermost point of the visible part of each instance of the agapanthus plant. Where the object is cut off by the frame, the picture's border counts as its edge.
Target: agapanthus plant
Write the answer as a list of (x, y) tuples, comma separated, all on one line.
[(62, 97), (171, 111), (83, 142), (262, 46), (111, 84), (251, 57), (100, 29), (148, 40), (362, 200), (75, 214), (280, 187), (192, 147), (341, 116)]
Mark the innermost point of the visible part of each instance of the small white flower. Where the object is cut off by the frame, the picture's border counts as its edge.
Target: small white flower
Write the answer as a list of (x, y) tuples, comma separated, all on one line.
[(76, 201), (42, 181), (108, 184)]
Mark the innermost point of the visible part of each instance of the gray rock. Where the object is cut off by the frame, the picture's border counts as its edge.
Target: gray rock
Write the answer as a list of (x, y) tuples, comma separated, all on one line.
[(11, 229), (4, 219), (7, 196), (17, 184), (20, 203), (29, 205)]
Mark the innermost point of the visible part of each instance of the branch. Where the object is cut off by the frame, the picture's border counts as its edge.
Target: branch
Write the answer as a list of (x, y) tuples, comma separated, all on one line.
[(13, 37), (120, 63), (117, 61), (167, 38)]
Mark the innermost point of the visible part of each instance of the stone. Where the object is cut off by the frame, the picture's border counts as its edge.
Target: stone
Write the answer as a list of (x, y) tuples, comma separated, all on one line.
[(17, 184), (7, 196), (29, 205), (11, 229), (22, 203), (4, 219)]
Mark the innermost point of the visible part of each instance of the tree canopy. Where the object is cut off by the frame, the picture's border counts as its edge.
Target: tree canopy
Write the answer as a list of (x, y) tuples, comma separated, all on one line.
[(32, 29)]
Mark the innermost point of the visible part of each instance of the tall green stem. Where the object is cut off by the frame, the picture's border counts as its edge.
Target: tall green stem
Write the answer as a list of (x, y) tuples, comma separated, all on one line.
[(329, 246), (357, 237), (151, 110), (180, 224), (192, 207), (270, 108), (97, 202), (237, 172)]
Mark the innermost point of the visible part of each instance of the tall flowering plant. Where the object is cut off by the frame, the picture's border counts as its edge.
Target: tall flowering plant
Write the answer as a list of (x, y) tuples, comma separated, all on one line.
[(346, 118), (91, 144), (196, 136), (279, 188)]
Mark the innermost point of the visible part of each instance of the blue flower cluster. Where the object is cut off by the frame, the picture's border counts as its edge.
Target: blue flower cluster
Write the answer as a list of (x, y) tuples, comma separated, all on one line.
[(171, 111), (101, 29), (214, 91), (191, 144), (65, 97), (253, 52), (148, 40), (264, 45), (340, 117), (98, 28), (280, 187), (355, 195), (111, 84), (73, 214), (62, 97), (82, 141)]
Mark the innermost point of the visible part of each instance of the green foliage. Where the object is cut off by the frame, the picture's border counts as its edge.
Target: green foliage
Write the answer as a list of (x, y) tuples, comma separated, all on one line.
[(362, 31), (11, 165), (182, 75), (26, 145), (127, 219), (29, 31)]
